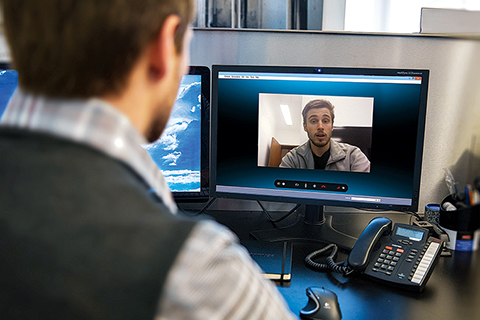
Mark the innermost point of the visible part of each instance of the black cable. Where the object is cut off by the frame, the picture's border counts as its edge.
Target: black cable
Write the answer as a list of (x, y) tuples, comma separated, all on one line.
[(416, 215), (279, 219), (205, 207), (331, 265)]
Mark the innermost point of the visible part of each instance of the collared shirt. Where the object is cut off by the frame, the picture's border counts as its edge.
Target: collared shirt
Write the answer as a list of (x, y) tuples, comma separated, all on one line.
[(213, 277)]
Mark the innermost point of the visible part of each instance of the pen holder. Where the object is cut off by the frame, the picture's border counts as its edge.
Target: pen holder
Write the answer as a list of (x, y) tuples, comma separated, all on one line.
[(462, 225)]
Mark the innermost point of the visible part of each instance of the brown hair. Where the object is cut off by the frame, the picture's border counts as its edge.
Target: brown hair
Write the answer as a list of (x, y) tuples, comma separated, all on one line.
[(318, 103), (84, 48)]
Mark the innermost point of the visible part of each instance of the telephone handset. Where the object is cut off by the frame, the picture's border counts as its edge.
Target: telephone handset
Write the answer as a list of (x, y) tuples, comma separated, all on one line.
[(400, 254), (361, 252)]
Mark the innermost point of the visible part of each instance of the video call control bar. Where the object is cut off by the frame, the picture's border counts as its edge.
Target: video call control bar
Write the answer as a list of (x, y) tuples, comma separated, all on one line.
[(321, 186)]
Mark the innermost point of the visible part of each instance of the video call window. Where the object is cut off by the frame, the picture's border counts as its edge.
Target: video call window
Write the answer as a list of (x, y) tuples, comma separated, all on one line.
[(281, 125)]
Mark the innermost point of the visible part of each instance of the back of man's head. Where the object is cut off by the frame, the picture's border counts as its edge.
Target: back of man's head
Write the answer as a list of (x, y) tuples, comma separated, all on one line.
[(84, 48)]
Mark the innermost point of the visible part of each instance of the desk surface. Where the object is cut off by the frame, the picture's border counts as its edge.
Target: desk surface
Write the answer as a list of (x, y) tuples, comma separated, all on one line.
[(452, 292)]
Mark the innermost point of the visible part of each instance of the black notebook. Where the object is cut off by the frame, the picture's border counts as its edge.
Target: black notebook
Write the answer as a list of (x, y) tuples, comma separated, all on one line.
[(274, 258)]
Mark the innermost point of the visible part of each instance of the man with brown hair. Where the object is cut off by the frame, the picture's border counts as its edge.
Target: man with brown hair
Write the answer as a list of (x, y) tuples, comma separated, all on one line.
[(87, 223), (321, 151)]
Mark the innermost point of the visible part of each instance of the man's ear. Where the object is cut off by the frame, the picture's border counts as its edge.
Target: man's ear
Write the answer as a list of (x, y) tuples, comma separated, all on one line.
[(163, 48), (305, 127)]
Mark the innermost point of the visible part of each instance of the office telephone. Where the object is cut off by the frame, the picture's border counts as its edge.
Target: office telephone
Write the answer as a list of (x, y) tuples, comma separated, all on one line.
[(399, 254)]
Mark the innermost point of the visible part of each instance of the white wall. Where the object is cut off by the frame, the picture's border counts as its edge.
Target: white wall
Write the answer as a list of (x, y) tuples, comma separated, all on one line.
[(349, 111)]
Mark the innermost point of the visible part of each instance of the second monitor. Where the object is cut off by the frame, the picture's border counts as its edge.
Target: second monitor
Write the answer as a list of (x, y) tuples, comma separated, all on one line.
[(183, 150)]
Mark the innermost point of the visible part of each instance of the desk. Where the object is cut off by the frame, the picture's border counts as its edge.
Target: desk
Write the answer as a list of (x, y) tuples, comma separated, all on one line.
[(452, 292)]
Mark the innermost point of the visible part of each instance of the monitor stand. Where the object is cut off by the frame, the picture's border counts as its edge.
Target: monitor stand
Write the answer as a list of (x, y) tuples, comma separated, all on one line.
[(314, 227)]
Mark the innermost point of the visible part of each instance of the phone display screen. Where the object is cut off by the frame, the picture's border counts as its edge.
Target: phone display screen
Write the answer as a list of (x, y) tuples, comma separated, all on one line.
[(413, 235)]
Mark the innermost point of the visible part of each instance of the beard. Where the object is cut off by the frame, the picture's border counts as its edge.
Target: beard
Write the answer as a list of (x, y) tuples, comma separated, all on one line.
[(318, 144), (162, 114), (156, 130), (159, 122)]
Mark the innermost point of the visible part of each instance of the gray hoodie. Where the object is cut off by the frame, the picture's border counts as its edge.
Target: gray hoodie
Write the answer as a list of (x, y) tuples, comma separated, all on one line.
[(343, 157)]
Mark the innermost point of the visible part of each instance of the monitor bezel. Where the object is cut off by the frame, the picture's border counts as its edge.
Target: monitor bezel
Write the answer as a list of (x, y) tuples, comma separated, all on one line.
[(5, 66), (424, 73)]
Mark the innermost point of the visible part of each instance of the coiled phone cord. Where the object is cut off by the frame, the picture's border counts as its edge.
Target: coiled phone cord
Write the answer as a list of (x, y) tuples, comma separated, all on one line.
[(331, 265)]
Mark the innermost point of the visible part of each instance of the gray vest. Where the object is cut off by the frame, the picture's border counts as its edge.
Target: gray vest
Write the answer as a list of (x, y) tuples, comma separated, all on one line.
[(81, 236)]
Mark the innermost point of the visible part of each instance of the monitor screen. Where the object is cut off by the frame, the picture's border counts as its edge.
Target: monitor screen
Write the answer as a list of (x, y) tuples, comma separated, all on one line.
[(320, 136), (182, 152)]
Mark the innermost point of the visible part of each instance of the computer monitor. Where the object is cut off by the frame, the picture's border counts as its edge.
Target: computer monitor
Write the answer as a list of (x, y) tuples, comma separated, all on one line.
[(183, 150), (376, 142), (8, 84)]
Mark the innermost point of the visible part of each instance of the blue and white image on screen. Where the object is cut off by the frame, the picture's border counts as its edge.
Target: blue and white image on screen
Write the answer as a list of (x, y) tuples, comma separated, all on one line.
[(177, 151), (8, 84)]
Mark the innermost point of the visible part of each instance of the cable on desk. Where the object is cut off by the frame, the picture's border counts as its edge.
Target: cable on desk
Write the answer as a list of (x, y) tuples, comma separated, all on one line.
[(331, 265), (281, 218)]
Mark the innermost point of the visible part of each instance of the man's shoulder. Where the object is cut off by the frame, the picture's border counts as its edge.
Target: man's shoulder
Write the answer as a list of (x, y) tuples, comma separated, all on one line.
[(24, 140), (291, 158), (346, 147), (43, 163), (302, 149)]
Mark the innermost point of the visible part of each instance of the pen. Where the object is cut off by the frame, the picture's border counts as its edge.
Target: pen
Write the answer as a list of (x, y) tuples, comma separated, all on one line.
[(468, 195)]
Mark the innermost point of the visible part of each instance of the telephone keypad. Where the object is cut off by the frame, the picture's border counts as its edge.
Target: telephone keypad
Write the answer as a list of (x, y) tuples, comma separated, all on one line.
[(388, 260)]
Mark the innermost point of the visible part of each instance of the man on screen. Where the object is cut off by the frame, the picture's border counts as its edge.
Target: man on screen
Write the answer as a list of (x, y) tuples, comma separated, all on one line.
[(321, 151)]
